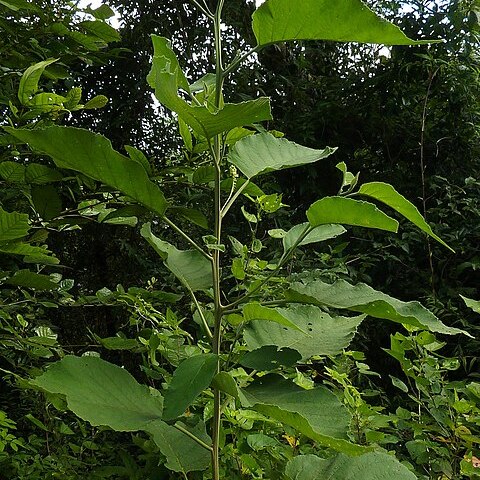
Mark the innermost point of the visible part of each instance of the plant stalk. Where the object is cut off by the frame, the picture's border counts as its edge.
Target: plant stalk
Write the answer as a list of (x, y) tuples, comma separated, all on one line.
[(218, 309)]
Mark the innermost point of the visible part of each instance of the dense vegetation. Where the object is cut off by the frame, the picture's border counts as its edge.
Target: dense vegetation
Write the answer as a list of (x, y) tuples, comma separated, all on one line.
[(270, 322)]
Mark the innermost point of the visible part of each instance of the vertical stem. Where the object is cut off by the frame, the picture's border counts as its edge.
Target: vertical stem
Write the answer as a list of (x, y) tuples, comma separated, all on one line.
[(218, 309), (422, 171)]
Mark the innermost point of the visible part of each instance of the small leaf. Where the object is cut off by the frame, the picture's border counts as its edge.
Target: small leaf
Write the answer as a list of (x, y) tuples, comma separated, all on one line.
[(342, 21), (347, 211), (385, 193), (13, 225), (96, 102), (12, 172), (28, 279), (473, 304), (270, 357), (263, 153), (182, 453), (29, 81), (191, 377), (102, 393), (318, 234), (40, 174), (362, 298), (189, 266)]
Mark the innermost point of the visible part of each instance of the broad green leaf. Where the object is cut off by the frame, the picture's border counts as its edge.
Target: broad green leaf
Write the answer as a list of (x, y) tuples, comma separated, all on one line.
[(270, 357), (191, 377), (16, 5), (369, 466), (320, 333), (12, 172), (204, 174), (362, 298), (166, 78), (29, 81), (189, 266), (256, 312), (118, 343), (226, 383), (46, 102), (46, 201), (258, 154), (102, 393), (342, 20), (32, 253), (40, 174), (101, 30), (99, 101), (92, 154), (347, 211), (383, 192), (13, 225), (182, 453), (318, 234), (316, 413), (28, 279), (103, 12), (139, 156), (473, 304), (195, 216)]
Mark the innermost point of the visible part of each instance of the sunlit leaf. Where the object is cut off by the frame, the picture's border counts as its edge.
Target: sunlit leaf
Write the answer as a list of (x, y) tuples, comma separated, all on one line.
[(342, 20), (365, 299), (347, 211), (258, 154), (385, 193), (318, 234), (29, 81)]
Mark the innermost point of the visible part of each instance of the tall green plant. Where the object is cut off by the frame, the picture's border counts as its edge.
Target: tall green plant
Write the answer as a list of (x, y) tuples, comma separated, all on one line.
[(279, 322)]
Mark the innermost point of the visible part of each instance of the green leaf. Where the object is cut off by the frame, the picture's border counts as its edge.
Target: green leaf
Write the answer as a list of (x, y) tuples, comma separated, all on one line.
[(13, 225), (17, 5), (317, 332), (318, 234), (256, 312), (204, 174), (29, 81), (226, 383), (118, 343), (139, 156), (12, 172), (316, 413), (92, 154), (270, 357), (32, 254), (166, 78), (46, 201), (195, 216), (101, 30), (189, 266), (362, 298), (258, 154), (103, 12), (370, 466), (383, 192), (99, 101), (347, 211), (191, 377), (40, 174), (182, 453), (342, 20), (473, 304), (28, 279), (102, 393)]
